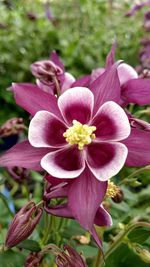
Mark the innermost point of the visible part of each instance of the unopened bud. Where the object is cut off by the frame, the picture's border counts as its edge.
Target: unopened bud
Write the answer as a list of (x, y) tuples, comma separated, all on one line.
[(69, 257), (23, 224), (12, 127), (33, 260)]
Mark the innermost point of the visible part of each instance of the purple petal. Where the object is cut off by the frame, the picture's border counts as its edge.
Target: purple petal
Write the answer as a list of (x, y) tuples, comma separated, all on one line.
[(59, 210), (32, 98), (102, 217), (110, 60), (96, 238), (55, 58), (84, 197), (106, 87), (106, 159), (111, 122), (68, 81), (23, 155), (82, 82), (96, 73), (76, 104), (46, 130), (136, 91), (126, 73), (138, 144), (64, 163)]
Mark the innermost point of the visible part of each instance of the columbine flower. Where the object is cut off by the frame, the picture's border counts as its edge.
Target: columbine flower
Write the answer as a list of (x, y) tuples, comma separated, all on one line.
[(51, 75), (84, 133), (23, 224)]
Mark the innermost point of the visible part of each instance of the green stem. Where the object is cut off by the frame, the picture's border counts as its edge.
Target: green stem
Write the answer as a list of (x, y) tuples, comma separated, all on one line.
[(119, 238), (98, 259), (132, 175)]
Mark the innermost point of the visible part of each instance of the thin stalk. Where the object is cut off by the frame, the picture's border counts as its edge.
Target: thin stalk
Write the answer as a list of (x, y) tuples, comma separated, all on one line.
[(132, 175), (119, 238)]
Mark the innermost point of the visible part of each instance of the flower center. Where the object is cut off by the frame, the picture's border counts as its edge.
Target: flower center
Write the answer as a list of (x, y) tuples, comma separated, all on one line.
[(79, 134), (112, 190)]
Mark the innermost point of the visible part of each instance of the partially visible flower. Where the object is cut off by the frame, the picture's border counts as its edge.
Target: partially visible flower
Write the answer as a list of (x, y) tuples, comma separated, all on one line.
[(33, 260), (18, 173), (23, 224), (51, 75), (12, 127), (137, 7), (69, 258), (84, 196)]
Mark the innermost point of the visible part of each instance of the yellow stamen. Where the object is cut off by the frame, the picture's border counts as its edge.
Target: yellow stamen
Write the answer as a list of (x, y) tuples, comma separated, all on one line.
[(79, 134), (112, 190)]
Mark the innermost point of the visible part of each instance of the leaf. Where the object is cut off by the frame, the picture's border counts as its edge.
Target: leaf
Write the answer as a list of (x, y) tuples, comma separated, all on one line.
[(88, 251), (30, 245), (139, 235), (11, 259)]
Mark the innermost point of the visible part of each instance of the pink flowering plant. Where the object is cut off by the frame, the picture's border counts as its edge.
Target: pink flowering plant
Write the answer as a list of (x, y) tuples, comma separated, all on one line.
[(81, 134)]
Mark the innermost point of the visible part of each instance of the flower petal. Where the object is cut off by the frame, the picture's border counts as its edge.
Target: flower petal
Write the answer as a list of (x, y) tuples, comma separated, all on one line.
[(46, 130), (68, 81), (111, 122), (102, 217), (23, 155), (84, 197), (32, 98), (126, 73), (106, 87), (64, 163), (84, 81), (106, 159), (59, 210), (136, 91), (138, 144), (76, 104), (55, 58)]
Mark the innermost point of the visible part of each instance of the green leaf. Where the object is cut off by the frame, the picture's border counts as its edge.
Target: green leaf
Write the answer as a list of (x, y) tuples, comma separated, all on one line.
[(88, 251), (139, 235), (30, 245), (11, 259)]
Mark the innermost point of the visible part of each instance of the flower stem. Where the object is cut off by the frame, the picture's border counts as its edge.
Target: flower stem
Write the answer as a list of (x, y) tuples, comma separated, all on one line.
[(99, 262), (118, 240)]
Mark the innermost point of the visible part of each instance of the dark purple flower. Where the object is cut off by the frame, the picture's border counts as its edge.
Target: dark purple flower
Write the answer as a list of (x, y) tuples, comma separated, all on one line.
[(23, 224), (137, 7)]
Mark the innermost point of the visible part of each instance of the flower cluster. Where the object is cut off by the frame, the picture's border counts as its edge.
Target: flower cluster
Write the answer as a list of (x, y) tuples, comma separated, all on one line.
[(81, 135)]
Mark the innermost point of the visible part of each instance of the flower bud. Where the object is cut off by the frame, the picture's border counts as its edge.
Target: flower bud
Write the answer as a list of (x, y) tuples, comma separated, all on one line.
[(23, 224), (33, 260), (12, 127), (69, 258), (18, 174), (48, 74)]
